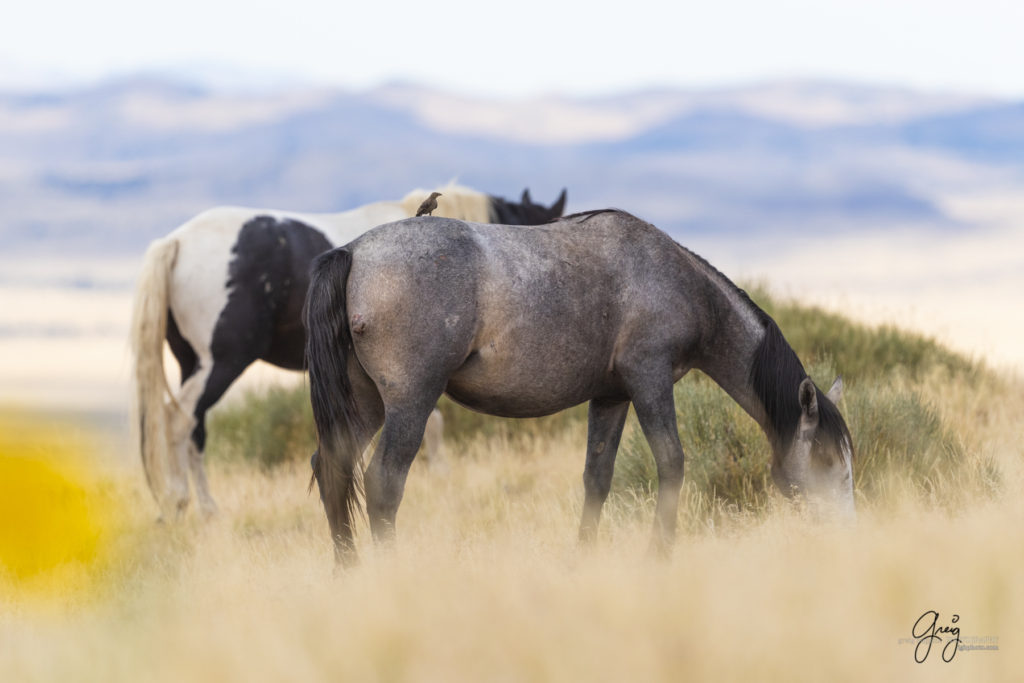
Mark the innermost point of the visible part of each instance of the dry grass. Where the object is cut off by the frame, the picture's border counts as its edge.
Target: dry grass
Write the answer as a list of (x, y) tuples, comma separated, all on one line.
[(486, 582)]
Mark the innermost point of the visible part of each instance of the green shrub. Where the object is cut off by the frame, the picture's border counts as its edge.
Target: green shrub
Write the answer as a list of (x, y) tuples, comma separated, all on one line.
[(898, 436), (726, 454), (267, 427)]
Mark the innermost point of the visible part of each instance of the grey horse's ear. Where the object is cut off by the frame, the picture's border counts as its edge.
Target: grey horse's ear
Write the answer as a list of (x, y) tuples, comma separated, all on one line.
[(526, 197), (809, 399), (558, 208), (835, 393)]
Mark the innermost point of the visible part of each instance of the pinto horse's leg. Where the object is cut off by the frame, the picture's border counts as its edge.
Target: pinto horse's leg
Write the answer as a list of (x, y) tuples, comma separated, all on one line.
[(180, 427), (655, 410), (605, 422), (218, 379), (179, 424), (385, 476)]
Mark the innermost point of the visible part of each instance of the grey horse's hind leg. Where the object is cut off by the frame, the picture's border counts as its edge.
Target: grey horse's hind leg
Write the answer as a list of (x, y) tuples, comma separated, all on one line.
[(655, 410), (605, 422), (385, 477), (371, 415)]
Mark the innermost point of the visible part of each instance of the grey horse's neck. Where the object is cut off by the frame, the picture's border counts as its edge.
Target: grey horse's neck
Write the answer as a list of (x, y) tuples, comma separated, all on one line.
[(729, 355), (739, 338)]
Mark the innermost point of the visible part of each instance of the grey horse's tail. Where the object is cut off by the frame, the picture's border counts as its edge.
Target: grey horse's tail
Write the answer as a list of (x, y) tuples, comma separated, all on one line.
[(338, 465)]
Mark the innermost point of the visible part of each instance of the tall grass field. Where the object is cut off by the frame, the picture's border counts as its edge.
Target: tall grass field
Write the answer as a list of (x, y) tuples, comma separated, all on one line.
[(486, 581)]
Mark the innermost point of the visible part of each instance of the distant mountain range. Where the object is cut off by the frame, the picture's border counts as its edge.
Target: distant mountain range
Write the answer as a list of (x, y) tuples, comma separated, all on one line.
[(108, 168)]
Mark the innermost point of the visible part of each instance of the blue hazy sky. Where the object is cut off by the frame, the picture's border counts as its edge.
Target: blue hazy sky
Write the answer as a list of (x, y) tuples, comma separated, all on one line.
[(525, 47)]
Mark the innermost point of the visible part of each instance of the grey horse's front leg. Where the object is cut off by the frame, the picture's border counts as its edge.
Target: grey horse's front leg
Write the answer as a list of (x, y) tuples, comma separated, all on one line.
[(655, 410), (604, 430)]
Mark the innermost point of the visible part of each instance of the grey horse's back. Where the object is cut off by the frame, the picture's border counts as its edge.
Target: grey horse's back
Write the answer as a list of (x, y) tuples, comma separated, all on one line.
[(513, 320)]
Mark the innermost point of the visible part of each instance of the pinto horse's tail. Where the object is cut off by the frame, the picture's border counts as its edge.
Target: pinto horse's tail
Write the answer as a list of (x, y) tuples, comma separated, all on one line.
[(152, 393), (338, 467)]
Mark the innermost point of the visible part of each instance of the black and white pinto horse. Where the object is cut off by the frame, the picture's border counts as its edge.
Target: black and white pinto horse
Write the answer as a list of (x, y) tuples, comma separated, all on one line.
[(523, 322), (226, 289)]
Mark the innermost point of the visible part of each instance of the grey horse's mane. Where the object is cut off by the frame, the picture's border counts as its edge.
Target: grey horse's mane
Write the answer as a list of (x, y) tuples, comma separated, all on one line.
[(587, 215), (776, 373)]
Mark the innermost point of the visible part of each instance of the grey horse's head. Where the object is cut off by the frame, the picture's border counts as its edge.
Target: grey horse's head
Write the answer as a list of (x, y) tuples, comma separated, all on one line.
[(816, 464)]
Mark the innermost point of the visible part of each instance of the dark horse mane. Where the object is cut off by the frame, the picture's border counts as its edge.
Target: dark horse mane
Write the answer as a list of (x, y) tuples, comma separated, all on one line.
[(775, 376), (587, 215)]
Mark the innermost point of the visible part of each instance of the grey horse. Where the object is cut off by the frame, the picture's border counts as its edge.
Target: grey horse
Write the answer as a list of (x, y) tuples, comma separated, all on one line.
[(522, 322)]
